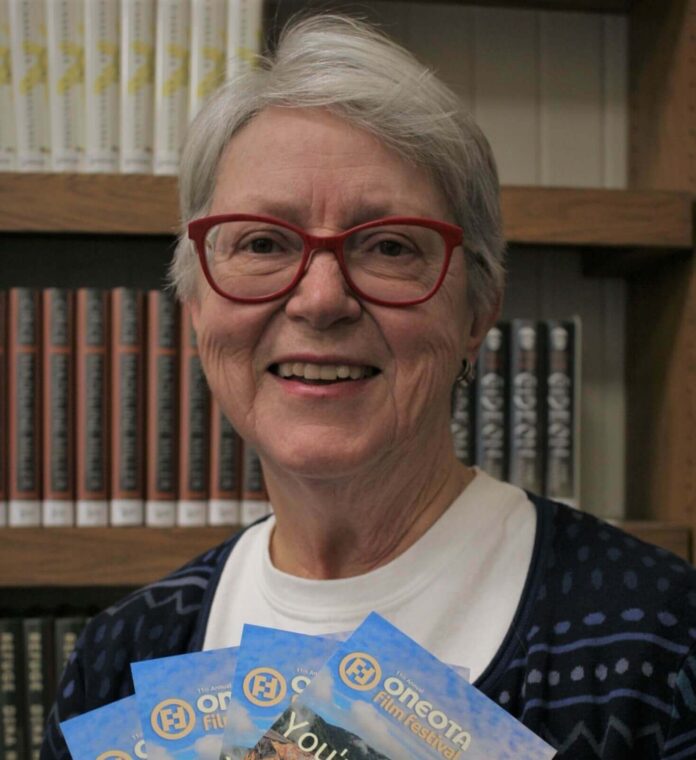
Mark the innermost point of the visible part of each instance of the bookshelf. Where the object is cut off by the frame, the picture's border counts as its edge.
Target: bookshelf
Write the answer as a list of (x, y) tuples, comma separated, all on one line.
[(644, 234)]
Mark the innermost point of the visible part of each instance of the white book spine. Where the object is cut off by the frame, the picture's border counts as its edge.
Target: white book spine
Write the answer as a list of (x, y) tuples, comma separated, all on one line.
[(24, 513), (8, 137), (224, 512), (66, 83), (190, 513), (124, 512), (252, 510), (244, 35), (208, 51), (137, 85), (171, 83), (57, 513), (92, 513), (160, 514), (28, 35), (102, 34)]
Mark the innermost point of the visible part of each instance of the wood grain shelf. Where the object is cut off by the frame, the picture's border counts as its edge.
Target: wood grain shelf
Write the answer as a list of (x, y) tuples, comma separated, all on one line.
[(65, 557), (146, 204)]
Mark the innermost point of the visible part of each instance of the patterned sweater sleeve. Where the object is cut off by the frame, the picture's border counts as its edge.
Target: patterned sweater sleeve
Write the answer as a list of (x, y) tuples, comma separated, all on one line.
[(680, 742)]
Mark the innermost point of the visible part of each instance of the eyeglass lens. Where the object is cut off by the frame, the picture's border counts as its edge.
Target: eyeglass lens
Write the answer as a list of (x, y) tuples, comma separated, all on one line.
[(391, 262)]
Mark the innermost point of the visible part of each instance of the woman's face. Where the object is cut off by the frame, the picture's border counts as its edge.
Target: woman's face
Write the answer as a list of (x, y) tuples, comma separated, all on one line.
[(323, 174)]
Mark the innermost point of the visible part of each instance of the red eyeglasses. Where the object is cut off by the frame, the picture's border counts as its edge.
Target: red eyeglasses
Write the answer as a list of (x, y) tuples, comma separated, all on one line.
[(394, 261)]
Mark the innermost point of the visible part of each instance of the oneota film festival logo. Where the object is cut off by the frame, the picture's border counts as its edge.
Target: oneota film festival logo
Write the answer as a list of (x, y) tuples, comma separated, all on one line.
[(360, 671), (173, 719), (264, 687)]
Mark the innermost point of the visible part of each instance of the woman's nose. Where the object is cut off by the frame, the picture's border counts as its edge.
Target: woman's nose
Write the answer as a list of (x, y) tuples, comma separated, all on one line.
[(323, 297)]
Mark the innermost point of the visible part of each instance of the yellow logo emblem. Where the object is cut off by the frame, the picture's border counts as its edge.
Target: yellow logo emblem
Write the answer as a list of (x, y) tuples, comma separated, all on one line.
[(264, 687), (173, 719), (114, 754), (360, 671)]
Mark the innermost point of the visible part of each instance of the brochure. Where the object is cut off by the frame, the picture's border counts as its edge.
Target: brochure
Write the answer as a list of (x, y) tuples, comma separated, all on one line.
[(273, 667), (182, 701), (381, 696), (112, 731)]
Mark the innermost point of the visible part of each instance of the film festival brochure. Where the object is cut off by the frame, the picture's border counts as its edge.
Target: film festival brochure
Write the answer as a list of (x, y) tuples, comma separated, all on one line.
[(182, 701), (381, 696), (111, 732)]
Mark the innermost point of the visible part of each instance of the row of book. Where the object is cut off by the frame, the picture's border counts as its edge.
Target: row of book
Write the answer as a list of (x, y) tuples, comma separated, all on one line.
[(33, 653), (111, 85), (108, 418), (519, 419)]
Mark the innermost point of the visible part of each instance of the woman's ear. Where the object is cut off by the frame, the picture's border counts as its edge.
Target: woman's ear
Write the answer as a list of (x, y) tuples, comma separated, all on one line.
[(482, 322)]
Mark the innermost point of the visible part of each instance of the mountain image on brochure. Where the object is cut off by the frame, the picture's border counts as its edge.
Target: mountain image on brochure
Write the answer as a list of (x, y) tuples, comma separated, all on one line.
[(275, 745)]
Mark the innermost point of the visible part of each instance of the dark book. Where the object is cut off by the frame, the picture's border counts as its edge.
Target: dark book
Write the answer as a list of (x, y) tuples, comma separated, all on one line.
[(91, 396), (194, 430), (162, 409), (24, 445), (462, 422), (66, 631), (12, 702), (127, 408), (3, 409), (39, 682), (491, 403), (225, 470), (526, 432), (562, 418), (57, 373), (254, 496)]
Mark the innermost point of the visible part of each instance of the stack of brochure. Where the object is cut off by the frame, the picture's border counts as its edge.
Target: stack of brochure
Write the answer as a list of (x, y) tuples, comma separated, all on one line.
[(376, 695)]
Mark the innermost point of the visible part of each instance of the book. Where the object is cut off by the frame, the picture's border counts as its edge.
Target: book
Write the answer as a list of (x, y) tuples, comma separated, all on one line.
[(273, 667), (66, 631), (162, 408), (110, 732), (182, 702), (254, 497), (244, 35), (491, 403), (171, 83), (30, 93), (381, 696), (208, 51), (102, 76), (137, 82), (525, 467), (12, 736), (562, 365), (4, 442), (58, 393), (91, 416), (24, 440), (127, 408), (66, 83), (8, 136), (224, 503), (194, 429), (462, 422), (39, 683)]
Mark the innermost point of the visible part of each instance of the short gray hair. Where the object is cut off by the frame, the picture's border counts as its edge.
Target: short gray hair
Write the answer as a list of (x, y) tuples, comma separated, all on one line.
[(350, 68)]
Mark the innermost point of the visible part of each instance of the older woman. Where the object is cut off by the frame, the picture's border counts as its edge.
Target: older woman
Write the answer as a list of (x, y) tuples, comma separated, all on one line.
[(343, 267)]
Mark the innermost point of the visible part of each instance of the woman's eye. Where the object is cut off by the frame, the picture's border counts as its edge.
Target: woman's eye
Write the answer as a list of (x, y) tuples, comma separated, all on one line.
[(390, 247), (262, 245)]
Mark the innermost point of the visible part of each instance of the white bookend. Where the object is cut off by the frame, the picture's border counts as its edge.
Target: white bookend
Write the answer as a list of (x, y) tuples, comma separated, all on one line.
[(8, 137), (208, 51), (66, 82), (137, 85), (28, 35), (171, 83), (244, 35), (102, 34)]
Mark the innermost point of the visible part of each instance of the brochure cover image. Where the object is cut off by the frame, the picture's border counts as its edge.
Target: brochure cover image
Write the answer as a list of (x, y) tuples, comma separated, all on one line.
[(182, 701), (381, 696), (273, 667), (112, 731)]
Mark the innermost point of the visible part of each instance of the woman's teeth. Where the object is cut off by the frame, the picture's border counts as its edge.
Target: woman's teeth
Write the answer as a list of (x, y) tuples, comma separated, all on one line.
[(325, 372)]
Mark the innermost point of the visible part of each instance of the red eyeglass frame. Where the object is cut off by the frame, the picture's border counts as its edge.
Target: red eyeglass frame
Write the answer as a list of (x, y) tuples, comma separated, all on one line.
[(450, 233)]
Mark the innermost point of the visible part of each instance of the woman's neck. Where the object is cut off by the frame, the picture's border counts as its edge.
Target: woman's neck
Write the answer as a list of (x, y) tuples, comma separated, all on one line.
[(329, 529)]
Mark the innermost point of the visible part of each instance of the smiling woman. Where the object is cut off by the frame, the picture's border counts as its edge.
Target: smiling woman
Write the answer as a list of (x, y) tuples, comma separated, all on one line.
[(342, 258)]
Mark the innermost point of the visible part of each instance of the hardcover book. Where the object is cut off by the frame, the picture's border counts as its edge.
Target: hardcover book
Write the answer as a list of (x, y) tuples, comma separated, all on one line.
[(244, 35), (8, 134), (3, 410), (12, 712), (208, 51), (254, 497), (224, 505), (38, 680)]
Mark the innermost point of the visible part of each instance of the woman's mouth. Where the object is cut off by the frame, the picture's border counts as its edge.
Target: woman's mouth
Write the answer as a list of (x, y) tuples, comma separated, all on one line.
[(319, 374)]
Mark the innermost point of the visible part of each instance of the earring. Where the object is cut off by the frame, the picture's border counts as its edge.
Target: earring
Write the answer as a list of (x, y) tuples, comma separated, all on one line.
[(467, 373)]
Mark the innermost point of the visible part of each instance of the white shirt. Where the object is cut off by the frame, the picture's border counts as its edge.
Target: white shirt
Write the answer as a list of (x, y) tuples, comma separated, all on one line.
[(455, 591)]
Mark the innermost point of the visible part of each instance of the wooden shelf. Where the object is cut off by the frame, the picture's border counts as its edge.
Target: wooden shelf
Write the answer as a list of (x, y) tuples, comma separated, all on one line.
[(31, 557), (146, 204), (64, 557)]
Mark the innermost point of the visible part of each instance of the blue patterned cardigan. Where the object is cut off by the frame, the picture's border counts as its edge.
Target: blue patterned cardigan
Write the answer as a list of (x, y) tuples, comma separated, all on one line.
[(600, 660)]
